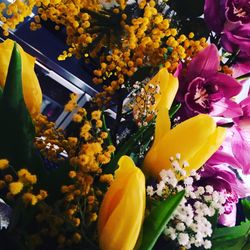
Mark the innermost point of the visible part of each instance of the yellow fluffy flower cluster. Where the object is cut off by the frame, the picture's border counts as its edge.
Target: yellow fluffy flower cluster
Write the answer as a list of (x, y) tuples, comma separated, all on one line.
[(21, 182), (51, 141), (88, 150), (146, 39)]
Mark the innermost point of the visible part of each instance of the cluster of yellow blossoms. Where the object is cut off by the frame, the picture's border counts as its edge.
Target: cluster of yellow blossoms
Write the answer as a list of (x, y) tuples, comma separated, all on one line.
[(87, 152), (20, 182), (143, 40)]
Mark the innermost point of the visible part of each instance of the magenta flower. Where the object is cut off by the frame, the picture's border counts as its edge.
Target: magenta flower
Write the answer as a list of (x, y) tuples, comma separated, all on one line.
[(205, 90), (223, 179), (231, 20), (236, 147)]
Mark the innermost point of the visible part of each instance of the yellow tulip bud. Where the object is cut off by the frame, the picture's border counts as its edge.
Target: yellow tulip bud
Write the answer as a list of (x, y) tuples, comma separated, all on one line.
[(168, 88), (31, 88), (122, 210), (196, 139)]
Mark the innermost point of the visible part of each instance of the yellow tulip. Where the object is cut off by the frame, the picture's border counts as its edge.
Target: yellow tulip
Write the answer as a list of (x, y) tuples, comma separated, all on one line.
[(122, 210), (196, 139), (168, 87), (31, 88)]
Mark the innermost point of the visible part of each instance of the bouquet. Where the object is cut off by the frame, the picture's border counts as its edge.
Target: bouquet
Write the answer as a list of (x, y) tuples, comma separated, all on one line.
[(170, 171)]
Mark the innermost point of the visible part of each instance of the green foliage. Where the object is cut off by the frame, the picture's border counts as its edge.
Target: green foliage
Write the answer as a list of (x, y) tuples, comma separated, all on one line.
[(231, 238), (128, 146), (155, 223), (246, 207), (16, 128)]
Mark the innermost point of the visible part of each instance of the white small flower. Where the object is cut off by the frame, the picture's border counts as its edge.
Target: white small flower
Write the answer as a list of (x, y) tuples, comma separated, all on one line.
[(180, 226), (186, 164), (192, 172), (207, 198), (160, 187), (216, 196), (179, 188), (169, 230), (207, 244), (178, 156), (183, 172), (188, 181), (209, 189), (150, 190), (201, 190), (183, 239)]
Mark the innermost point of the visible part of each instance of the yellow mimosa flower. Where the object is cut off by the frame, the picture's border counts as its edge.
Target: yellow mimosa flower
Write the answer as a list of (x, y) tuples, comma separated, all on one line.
[(31, 89), (122, 210), (196, 139)]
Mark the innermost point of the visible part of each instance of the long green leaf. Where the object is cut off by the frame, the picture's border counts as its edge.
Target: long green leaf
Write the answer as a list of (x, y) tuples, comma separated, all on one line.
[(16, 128), (155, 223), (231, 238)]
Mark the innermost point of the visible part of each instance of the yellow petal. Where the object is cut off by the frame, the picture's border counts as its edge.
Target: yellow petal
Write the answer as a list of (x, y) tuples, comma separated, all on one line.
[(186, 138), (207, 150), (122, 210), (31, 88), (162, 125), (168, 89)]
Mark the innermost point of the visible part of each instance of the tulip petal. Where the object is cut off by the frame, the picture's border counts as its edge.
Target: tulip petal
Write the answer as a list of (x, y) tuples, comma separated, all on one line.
[(186, 138), (162, 125), (122, 210), (208, 148), (168, 88), (31, 88)]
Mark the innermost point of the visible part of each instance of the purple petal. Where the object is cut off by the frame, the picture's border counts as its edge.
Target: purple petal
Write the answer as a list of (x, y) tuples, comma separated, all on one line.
[(242, 66), (234, 41), (227, 84), (204, 64), (226, 108), (214, 13), (241, 147), (229, 220), (225, 153)]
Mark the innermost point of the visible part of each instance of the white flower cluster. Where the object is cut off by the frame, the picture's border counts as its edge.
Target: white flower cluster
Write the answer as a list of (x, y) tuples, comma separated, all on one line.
[(189, 225)]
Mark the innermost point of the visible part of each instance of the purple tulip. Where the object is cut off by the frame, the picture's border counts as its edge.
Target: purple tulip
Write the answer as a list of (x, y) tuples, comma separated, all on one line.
[(205, 90), (231, 20), (223, 179)]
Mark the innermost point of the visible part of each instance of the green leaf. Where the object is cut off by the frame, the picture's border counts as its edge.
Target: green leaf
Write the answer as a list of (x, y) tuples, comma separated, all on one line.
[(174, 109), (16, 128), (155, 223), (246, 207), (231, 238), (127, 147)]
